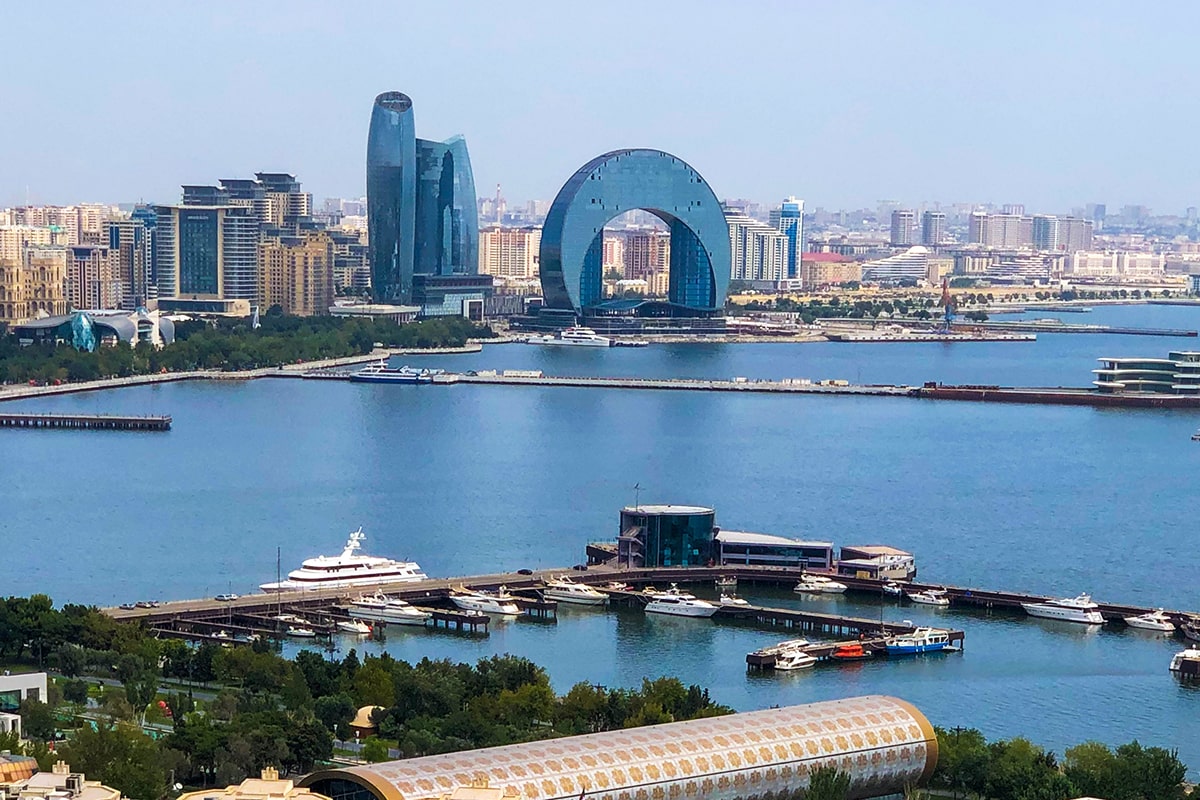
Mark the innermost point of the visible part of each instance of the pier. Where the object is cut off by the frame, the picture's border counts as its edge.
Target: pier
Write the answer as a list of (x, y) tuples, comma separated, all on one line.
[(90, 422)]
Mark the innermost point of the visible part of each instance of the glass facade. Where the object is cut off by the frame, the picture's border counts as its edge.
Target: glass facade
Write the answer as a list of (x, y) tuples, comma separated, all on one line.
[(673, 538), (198, 264), (421, 211), (621, 181)]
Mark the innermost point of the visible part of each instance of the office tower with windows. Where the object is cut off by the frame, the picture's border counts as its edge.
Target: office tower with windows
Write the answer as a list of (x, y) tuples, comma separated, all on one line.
[(903, 222)]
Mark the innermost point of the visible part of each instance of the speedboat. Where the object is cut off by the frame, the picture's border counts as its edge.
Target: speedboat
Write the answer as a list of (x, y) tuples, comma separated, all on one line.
[(794, 659), (573, 337), (348, 569), (1186, 663), (564, 590), (1156, 620), (500, 602), (1069, 609), (300, 632), (922, 640), (892, 588), (852, 651), (733, 600), (617, 586), (381, 608), (818, 584), (1190, 628), (679, 604), (353, 626), (930, 597), (726, 582)]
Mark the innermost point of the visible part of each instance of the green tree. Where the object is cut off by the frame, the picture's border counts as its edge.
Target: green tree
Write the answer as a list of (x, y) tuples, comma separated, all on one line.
[(335, 712), (374, 750), (120, 756), (37, 719), (75, 691), (827, 783)]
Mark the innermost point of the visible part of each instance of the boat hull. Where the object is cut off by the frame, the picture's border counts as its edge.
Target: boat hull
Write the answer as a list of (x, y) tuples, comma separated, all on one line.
[(390, 617), (340, 583), (1044, 611), (790, 665), (574, 599), (350, 627), (487, 606), (677, 610), (914, 649), (1150, 625)]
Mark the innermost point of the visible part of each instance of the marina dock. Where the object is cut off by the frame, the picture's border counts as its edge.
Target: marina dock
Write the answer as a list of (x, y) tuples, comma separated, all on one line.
[(91, 422)]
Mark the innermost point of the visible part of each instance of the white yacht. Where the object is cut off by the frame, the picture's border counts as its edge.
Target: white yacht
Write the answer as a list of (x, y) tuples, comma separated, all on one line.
[(1156, 620), (794, 659), (353, 626), (573, 337), (1186, 663), (679, 604), (301, 632), (1070, 609), (564, 590), (892, 588), (819, 584), (500, 603), (733, 600), (348, 569), (381, 608), (930, 597)]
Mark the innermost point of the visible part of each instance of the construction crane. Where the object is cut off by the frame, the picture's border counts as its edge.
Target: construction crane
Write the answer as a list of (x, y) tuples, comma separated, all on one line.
[(949, 305)]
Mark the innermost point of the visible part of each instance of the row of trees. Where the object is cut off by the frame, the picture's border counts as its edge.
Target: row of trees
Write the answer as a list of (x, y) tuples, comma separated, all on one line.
[(231, 345), (1017, 769)]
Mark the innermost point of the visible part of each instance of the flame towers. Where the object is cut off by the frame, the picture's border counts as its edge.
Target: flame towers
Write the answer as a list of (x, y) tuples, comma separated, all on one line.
[(420, 203)]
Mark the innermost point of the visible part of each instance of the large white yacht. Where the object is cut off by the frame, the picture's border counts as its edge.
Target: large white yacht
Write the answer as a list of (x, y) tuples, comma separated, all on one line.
[(1070, 609), (573, 337), (381, 608), (348, 569), (679, 604), (564, 590), (819, 584), (500, 603)]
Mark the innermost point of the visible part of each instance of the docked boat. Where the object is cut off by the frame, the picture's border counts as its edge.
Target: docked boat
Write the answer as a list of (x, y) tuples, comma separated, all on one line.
[(300, 632), (680, 604), (1069, 609), (500, 602), (353, 626), (573, 337), (348, 569), (617, 586), (381, 608), (726, 582), (892, 588), (1186, 663), (630, 343), (564, 590), (930, 597), (793, 660), (1190, 628), (818, 584), (733, 601), (1196, 436), (922, 640), (380, 372), (852, 651), (1156, 620)]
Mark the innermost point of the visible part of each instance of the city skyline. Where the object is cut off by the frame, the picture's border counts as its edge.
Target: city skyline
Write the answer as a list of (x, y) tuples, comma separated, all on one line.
[(969, 123)]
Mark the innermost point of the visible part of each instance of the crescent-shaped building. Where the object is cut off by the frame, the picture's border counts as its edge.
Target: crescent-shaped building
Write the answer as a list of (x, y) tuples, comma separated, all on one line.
[(609, 185), (882, 743)]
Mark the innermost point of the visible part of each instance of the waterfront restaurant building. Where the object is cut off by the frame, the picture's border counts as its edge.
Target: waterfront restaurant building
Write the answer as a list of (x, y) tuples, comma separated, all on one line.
[(1178, 373), (764, 549), (884, 744), (666, 536)]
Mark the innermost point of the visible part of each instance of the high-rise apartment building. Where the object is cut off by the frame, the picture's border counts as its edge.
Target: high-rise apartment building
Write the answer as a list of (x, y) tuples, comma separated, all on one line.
[(422, 211), (296, 273), (92, 280), (1075, 234), (1045, 232), (32, 285), (14, 239), (933, 228), (903, 222), (788, 219), (130, 241), (646, 253), (509, 252), (759, 252), (613, 257), (206, 252)]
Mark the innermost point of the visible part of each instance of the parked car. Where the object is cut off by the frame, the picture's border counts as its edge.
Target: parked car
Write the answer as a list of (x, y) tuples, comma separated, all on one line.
[(580, 567), (525, 571), (146, 604), (128, 606), (227, 596)]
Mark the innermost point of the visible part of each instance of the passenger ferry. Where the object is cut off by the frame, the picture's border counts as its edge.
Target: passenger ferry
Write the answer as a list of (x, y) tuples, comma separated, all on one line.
[(348, 569), (381, 373), (500, 602), (573, 337), (922, 640), (564, 590), (381, 608), (679, 604), (1070, 609)]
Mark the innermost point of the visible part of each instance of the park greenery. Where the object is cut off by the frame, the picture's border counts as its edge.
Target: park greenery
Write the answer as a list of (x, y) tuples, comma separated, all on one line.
[(231, 344), (211, 716)]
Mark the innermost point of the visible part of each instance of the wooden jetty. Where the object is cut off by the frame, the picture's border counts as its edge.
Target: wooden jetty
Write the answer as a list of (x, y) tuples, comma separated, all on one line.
[(91, 422)]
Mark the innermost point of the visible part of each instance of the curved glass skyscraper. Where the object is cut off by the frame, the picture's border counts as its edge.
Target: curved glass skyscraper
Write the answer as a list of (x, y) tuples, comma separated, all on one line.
[(421, 210)]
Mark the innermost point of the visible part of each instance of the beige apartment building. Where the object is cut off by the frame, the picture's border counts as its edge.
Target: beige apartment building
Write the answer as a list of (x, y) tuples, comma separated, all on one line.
[(509, 252), (93, 278), (296, 274), (828, 269)]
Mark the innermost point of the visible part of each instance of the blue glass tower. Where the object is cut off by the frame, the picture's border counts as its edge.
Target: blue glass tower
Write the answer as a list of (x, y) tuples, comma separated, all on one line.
[(421, 212), (620, 181)]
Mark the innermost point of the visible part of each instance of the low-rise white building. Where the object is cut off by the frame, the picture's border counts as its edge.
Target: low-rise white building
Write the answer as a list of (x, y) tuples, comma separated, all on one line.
[(22, 686)]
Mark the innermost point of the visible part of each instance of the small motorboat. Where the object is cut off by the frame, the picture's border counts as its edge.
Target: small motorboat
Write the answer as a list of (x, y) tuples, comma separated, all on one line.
[(726, 582), (892, 588), (819, 584), (733, 600), (301, 632), (852, 651), (1156, 620), (930, 597), (1196, 436), (1191, 629), (1186, 663), (354, 626), (794, 659), (617, 586)]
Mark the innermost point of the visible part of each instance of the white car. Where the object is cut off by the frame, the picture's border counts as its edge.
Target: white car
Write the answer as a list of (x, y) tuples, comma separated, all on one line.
[(227, 597)]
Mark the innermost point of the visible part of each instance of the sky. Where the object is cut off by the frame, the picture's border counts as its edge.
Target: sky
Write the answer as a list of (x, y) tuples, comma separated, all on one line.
[(842, 104)]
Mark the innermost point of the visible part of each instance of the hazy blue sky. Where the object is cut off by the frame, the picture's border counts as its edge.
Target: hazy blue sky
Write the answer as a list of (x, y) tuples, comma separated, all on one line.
[(1048, 103)]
